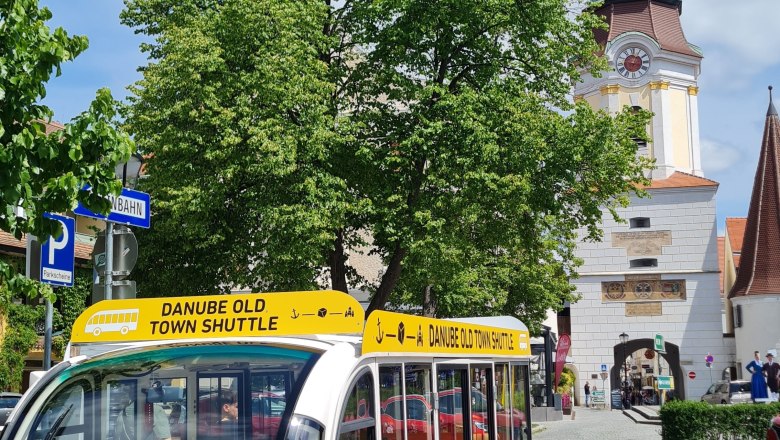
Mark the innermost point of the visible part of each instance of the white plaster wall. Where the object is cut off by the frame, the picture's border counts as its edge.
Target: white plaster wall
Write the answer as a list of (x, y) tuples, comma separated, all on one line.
[(694, 324), (760, 327), (690, 216)]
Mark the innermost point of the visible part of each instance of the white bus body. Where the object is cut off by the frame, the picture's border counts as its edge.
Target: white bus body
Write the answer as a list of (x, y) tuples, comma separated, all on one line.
[(298, 387)]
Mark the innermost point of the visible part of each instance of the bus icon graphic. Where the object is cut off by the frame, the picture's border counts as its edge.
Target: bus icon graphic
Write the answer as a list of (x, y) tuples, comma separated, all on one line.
[(121, 321)]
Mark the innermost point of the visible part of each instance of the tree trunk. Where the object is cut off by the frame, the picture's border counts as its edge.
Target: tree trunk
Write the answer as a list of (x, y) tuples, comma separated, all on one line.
[(389, 281), (429, 302), (338, 272)]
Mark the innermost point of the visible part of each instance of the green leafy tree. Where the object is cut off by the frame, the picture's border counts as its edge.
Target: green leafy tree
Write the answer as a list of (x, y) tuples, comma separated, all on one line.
[(42, 172), (23, 322), (284, 134)]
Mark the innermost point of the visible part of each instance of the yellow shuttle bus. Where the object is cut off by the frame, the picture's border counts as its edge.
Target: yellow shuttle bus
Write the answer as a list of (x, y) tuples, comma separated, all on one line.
[(279, 366)]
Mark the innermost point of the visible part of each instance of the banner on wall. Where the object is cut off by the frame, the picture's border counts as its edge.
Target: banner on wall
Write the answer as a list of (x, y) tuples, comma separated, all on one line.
[(564, 342)]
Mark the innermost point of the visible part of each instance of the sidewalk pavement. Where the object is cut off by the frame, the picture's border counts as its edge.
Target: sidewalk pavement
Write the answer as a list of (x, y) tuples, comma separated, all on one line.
[(592, 423)]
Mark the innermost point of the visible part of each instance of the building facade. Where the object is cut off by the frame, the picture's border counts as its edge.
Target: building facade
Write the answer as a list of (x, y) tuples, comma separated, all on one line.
[(657, 273)]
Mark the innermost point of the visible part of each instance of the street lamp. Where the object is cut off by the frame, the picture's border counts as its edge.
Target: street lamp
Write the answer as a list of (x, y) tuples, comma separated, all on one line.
[(624, 341), (130, 170)]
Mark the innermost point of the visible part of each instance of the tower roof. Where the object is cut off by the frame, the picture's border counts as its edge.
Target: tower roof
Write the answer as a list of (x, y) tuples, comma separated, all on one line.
[(658, 19), (759, 267)]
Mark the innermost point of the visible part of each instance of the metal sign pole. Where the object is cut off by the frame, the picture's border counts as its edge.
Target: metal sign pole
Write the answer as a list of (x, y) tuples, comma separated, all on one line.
[(108, 278), (47, 336)]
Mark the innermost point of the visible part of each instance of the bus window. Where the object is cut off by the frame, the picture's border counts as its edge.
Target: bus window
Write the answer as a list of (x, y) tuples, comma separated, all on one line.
[(122, 413), (268, 403), (450, 382), (67, 415), (357, 419), (504, 416), (519, 384), (419, 422), (482, 409), (219, 407), (390, 395)]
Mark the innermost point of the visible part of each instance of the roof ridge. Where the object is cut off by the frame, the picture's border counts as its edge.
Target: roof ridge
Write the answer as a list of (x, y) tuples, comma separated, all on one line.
[(652, 22), (694, 175)]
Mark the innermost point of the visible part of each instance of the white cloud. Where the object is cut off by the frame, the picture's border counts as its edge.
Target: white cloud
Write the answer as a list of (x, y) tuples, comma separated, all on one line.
[(739, 38), (718, 156)]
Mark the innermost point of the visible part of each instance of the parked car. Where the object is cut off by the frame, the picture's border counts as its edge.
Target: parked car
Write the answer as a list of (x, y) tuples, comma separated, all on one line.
[(451, 418), (7, 403), (418, 418), (725, 392), (267, 411)]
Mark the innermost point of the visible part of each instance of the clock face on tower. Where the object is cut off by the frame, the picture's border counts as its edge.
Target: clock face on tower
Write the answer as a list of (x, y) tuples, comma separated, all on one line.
[(632, 63)]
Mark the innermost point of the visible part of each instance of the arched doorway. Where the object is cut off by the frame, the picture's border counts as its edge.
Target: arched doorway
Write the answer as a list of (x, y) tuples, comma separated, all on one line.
[(671, 358)]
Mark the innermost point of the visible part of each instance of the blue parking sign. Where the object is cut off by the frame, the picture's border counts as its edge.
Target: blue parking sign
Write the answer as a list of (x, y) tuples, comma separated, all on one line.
[(58, 254)]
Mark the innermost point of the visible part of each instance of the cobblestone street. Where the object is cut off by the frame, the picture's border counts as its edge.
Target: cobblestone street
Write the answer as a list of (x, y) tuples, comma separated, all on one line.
[(598, 424)]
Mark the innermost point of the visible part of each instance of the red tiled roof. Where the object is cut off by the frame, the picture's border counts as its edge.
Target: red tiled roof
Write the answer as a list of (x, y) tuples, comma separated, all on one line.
[(51, 127), (658, 19), (759, 270), (83, 250), (680, 180), (736, 229), (721, 260)]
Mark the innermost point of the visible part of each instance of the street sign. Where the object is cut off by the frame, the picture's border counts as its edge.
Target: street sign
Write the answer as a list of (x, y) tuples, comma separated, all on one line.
[(125, 253), (58, 253), (708, 360), (692, 375), (130, 208), (603, 368), (659, 343), (665, 383)]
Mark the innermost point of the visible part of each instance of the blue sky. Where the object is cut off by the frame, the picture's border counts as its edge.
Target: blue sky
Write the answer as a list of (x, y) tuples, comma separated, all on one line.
[(741, 58)]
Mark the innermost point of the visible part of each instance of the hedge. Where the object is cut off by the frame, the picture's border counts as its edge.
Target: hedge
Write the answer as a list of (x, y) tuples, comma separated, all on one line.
[(686, 420)]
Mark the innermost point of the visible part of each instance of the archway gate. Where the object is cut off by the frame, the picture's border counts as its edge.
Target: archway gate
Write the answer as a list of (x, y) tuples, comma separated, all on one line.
[(672, 358)]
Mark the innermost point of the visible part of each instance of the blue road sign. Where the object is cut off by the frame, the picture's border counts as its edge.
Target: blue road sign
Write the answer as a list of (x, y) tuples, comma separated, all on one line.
[(58, 253), (604, 368), (130, 208)]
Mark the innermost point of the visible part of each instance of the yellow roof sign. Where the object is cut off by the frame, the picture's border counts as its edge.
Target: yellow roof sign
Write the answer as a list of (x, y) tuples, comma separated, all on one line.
[(396, 333), (219, 316)]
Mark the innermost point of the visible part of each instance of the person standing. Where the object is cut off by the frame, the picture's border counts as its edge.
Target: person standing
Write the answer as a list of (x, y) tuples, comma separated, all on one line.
[(772, 371), (757, 382), (587, 394)]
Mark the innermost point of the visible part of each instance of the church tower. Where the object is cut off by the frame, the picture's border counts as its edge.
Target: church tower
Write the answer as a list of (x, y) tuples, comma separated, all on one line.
[(653, 67), (653, 281)]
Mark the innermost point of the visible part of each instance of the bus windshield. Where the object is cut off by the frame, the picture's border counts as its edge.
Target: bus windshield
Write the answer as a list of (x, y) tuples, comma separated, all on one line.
[(196, 391)]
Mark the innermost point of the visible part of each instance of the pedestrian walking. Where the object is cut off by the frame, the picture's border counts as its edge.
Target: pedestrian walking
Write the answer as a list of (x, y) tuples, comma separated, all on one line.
[(587, 394), (772, 371), (757, 382)]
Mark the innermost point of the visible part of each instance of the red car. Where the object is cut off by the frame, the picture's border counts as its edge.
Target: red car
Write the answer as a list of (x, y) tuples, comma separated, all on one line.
[(418, 418), (267, 410), (451, 415)]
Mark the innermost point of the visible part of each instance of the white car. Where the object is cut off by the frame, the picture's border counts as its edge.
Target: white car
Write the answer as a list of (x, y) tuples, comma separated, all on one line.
[(725, 392)]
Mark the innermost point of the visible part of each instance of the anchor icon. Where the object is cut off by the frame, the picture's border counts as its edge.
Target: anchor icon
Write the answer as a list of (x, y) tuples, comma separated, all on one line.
[(294, 315), (381, 336)]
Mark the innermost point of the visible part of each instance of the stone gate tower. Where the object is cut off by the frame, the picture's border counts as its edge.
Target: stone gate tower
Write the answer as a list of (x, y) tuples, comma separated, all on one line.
[(657, 273)]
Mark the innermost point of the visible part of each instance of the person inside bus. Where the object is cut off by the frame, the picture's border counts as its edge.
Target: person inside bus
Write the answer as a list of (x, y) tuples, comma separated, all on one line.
[(228, 421), (125, 421)]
